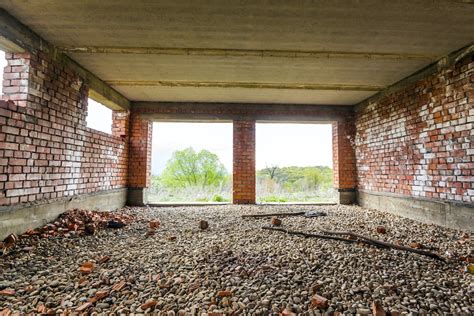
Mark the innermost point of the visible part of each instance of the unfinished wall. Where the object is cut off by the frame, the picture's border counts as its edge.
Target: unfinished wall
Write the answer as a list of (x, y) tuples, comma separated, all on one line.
[(418, 142), (46, 151), (139, 177), (343, 157)]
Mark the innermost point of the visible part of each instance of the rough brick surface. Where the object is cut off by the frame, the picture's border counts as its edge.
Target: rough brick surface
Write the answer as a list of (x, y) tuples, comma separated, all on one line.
[(344, 166), (140, 152), (419, 141), (244, 162), (46, 150)]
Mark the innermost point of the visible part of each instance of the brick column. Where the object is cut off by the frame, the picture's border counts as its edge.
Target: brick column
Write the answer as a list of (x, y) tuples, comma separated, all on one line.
[(244, 162), (139, 163), (344, 162)]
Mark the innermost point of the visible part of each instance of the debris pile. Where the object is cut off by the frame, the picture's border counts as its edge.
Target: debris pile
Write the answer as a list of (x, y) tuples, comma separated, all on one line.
[(73, 222)]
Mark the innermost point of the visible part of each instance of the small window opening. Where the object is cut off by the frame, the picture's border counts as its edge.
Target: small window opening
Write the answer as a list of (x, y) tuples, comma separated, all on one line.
[(99, 117)]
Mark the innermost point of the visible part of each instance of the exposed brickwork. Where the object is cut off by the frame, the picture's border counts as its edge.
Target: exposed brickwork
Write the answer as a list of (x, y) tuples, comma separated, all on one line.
[(344, 166), (244, 162), (46, 150), (420, 141), (140, 152)]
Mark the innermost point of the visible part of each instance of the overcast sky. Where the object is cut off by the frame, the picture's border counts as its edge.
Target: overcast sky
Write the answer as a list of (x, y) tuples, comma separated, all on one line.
[(277, 144)]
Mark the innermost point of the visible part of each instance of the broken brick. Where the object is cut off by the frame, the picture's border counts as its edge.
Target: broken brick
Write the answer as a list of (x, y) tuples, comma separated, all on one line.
[(154, 224), (103, 259), (148, 304), (377, 309), (319, 301), (276, 221), (7, 292), (5, 312), (224, 293), (118, 286), (287, 312), (381, 230), (83, 307), (86, 267)]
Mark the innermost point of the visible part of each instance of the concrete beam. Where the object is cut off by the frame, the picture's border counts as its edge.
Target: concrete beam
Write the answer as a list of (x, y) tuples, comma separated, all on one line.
[(189, 111), (246, 85), (435, 67), (221, 52), (20, 36)]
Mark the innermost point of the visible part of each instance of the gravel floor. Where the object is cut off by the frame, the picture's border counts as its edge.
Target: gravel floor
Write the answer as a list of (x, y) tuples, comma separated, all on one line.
[(264, 271)]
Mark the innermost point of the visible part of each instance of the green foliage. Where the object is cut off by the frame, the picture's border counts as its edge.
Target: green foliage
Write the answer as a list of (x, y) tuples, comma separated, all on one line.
[(299, 178), (186, 168), (219, 198), (273, 198)]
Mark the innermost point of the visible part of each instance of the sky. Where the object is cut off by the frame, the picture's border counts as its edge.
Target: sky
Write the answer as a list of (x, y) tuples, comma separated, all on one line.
[(277, 144), (99, 117)]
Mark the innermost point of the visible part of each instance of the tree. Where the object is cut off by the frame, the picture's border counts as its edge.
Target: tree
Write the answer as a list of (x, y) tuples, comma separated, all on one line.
[(188, 168)]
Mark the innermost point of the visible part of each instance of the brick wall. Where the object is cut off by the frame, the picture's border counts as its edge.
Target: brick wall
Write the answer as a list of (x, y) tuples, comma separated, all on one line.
[(244, 162), (140, 152), (46, 150), (344, 167), (419, 141)]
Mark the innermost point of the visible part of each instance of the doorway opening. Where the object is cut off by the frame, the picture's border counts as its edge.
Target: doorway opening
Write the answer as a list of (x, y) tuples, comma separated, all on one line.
[(294, 163), (191, 163)]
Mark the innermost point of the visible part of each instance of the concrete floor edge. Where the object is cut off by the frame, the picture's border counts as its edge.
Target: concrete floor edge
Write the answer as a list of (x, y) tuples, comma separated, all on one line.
[(19, 218), (429, 211)]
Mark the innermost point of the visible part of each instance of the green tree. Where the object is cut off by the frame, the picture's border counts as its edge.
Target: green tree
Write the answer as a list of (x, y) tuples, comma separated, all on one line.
[(187, 168)]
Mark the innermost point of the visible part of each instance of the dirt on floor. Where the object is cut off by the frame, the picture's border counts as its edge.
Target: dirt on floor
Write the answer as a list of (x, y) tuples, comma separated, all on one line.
[(164, 262)]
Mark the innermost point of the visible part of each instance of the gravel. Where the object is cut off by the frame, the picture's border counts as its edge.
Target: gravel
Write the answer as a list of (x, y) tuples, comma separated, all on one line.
[(234, 266)]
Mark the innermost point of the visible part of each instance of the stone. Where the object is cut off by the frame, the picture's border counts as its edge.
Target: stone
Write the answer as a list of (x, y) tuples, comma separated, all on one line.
[(275, 221), (203, 224), (319, 301)]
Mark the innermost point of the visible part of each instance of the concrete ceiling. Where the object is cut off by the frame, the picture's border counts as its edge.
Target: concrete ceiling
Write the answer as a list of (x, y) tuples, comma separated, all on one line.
[(308, 52)]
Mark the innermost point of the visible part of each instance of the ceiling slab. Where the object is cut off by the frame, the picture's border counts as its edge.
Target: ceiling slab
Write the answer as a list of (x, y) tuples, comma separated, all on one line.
[(136, 46)]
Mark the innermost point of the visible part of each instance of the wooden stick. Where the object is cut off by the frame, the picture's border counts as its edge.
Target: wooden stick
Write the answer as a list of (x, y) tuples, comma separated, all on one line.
[(361, 238), (297, 233), (273, 214), (382, 244)]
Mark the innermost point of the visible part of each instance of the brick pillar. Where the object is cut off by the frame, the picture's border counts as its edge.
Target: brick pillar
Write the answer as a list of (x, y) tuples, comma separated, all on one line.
[(139, 161), (344, 162), (244, 162)]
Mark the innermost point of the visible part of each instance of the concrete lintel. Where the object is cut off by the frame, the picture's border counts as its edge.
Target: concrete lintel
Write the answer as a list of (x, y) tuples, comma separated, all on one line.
[(21, 217), (430, 211), (21, 36), (264, 53), (437, 66), (191, 111), (245, 85)]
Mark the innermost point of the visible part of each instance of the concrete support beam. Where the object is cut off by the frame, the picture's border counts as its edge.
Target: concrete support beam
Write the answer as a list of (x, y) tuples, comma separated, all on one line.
[(16, 35), (192, 111), (264, 53), (245, 85), (244, 178)]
